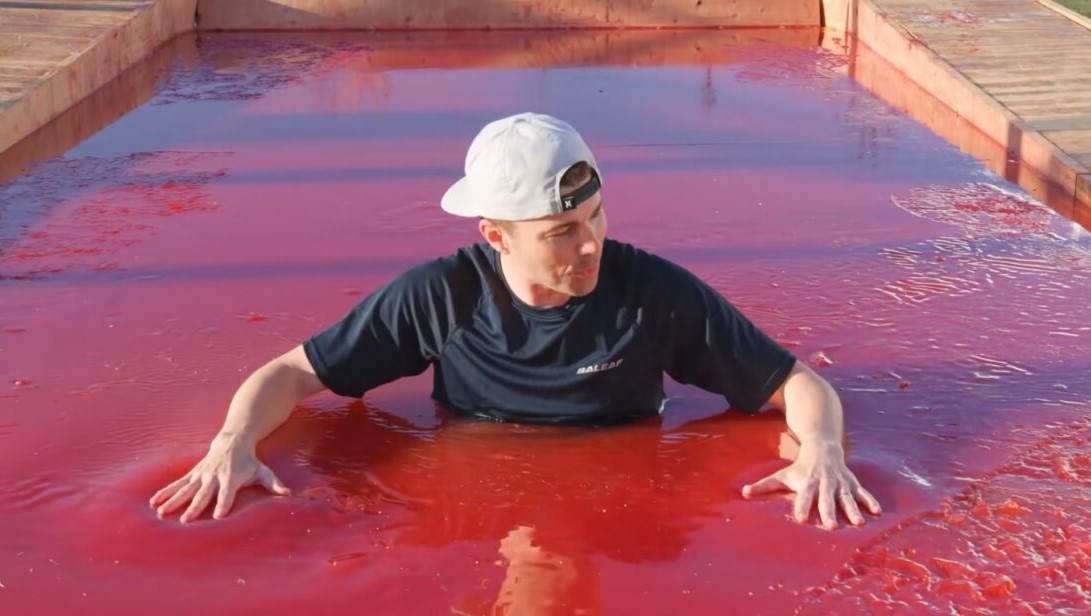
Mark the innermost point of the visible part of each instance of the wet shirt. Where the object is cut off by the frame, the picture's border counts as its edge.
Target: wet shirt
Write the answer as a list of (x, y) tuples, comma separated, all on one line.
[(597, 359)]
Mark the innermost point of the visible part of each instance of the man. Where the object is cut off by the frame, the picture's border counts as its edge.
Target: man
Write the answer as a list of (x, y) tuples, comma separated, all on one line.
[(546, 321)]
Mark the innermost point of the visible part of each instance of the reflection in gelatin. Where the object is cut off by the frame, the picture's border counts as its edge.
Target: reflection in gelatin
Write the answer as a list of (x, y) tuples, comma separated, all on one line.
[(108, 203)]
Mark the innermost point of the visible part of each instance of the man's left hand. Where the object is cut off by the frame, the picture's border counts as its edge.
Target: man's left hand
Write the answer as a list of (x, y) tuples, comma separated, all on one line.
[(819, 471)]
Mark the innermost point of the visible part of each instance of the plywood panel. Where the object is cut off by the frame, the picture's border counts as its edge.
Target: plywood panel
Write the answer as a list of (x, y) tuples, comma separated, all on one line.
[(1075, 142), (1078, 122), (1012, 68), (1083, 194), (55, 54), (465, 14)]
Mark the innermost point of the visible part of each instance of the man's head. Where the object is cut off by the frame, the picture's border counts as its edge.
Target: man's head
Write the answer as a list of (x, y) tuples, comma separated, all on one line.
[(535, 186)]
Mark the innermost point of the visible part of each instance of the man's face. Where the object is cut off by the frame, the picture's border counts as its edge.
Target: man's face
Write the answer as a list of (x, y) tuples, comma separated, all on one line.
[(561, 253)]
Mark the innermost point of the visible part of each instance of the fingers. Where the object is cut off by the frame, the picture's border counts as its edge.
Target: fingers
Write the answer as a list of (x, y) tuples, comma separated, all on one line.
[(199, 487), (848, 504), (225, 498), (804, 501), (824, 481), (827, 507), (869, 501), (848, 498), (271, 482), (228, 489), (201, 501), (162, 495), (180, 497), (845, 497), (772, 483)]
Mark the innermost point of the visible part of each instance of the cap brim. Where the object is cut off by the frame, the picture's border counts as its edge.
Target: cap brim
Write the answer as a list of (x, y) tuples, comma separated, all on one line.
[(457, 200)]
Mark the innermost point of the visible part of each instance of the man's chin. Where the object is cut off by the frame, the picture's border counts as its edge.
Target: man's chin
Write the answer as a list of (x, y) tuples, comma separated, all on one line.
[(583, 287)]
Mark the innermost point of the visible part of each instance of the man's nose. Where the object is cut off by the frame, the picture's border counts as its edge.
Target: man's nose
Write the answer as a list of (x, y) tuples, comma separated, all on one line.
[(590, 242)]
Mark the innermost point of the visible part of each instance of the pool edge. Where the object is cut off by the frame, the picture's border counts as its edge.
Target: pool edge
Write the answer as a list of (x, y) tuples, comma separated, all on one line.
[(96, 58), (904, 46)]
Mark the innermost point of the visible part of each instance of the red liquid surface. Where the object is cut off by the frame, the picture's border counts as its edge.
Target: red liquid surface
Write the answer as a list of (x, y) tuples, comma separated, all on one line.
[(274, 180)]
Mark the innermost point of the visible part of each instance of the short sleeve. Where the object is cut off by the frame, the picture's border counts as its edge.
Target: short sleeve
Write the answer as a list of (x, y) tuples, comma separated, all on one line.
[(396, 331), (712, 345)]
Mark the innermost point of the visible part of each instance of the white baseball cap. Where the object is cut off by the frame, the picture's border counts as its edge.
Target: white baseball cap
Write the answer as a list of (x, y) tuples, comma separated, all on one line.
[(514, 168)]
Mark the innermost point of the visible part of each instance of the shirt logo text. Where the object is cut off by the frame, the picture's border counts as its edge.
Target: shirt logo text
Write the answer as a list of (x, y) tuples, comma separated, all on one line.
[(610, 365)]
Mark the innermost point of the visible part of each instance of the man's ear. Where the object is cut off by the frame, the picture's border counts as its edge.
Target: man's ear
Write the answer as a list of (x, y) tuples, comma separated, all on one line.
[(494, 235)]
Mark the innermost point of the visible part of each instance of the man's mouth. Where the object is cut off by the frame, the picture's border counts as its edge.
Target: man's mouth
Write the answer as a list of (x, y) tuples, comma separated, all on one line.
[(585, 272)]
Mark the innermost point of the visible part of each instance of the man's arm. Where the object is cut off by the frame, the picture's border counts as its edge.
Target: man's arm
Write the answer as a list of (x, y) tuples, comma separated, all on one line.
[(261, 405), (814, 416)]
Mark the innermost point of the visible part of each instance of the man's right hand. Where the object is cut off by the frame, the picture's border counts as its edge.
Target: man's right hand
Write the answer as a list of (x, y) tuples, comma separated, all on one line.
[(262, 403), (228, 467)]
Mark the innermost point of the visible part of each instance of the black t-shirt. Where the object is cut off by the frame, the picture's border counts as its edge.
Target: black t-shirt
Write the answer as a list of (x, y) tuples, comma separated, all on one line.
[(597, 359)]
